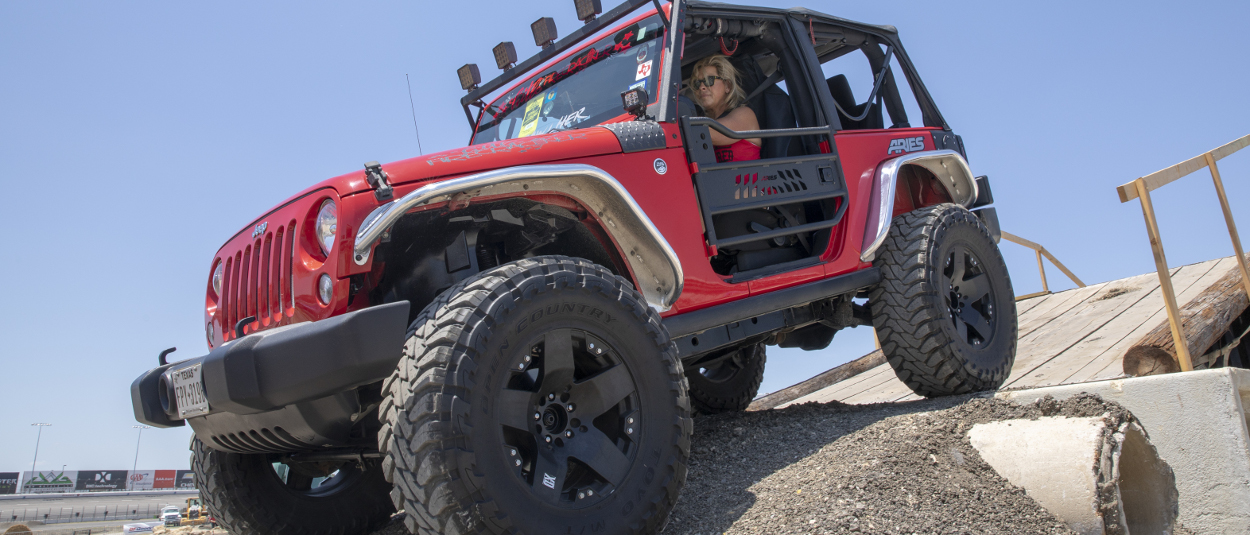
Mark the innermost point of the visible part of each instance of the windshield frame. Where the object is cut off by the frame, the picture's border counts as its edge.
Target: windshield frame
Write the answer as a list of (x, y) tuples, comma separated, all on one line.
[(629, 12)]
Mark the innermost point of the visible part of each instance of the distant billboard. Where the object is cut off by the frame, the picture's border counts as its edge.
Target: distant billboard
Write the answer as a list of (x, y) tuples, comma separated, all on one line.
[(100, 480), (141, 480), (50, 481), (8, 482), (185, 479), (164, 479)]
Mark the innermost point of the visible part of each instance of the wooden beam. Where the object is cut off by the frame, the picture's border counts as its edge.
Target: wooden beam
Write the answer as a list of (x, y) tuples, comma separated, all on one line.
[(1205, 318), (1030, 296), (1165, 277), (1228, 218), (831, 377), (1162, 177), (1062, 267), (1020, 241)]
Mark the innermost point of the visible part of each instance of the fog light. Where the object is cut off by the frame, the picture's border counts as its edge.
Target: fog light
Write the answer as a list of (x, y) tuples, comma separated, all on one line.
[(325, 289), (208, 330)]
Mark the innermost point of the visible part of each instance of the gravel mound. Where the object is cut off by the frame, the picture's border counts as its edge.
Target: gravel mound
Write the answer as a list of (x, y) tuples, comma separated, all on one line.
[(836, 468)]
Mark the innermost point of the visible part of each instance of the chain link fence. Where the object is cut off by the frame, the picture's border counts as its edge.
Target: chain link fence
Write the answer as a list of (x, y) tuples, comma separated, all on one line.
[(90, 513)]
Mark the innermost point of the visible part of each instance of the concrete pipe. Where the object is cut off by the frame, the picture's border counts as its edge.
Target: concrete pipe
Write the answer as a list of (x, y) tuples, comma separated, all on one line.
[(1097, 477)]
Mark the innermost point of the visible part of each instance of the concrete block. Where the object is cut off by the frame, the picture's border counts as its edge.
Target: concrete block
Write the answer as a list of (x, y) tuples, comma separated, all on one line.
[(1198, 423)]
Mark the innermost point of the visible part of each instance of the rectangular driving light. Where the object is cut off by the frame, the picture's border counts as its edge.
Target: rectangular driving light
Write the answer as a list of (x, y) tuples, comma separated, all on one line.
[(505, 55), (544, 31), (587, 10), (469, 76)]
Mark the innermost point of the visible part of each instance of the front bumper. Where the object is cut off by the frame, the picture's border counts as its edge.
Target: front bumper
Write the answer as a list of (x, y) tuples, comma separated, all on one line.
[(284, 389)]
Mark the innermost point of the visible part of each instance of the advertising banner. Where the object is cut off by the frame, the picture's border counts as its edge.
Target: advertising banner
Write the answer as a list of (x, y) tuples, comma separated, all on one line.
[(164, 479), (50, 481), (141, 479), (8, 482), (185, 480), (101, 480)]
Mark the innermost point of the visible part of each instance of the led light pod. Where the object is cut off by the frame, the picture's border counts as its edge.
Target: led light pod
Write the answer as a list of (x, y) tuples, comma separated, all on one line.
[(587, 10), (470, 78), (505, 55), (544, 31)]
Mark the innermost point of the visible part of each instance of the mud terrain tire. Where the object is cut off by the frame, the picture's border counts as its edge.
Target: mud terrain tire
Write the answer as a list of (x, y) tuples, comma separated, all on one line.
[(944, 311), (554, 337), (730, 385), (246, 496)]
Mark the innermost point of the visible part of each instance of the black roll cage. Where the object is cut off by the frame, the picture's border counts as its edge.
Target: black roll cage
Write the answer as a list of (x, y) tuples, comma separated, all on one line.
[(803, 22)]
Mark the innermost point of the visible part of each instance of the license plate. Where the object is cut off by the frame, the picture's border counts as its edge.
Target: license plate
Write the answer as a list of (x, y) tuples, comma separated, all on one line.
[(189, 388)]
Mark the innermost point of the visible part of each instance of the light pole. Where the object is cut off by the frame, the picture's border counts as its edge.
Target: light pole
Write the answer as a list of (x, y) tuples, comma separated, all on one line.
[(38, 436), (133, 468)]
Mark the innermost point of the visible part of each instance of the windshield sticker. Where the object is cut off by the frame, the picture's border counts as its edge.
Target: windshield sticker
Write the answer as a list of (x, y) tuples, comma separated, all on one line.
[(529, 125), (508, 146), (568, 121), (642, 54), (642, 32), (644, 70), (636, 85)]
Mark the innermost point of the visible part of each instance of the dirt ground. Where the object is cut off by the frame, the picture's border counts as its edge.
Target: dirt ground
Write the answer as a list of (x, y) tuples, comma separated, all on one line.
[(834, 468)]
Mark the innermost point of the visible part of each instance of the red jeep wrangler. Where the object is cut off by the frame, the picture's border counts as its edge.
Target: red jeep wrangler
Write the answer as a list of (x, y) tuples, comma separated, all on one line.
[(513, 336)]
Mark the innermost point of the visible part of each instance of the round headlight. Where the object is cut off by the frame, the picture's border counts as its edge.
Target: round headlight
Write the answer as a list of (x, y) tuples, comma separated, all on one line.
[(325, 289), (217, 273), (327, 225)]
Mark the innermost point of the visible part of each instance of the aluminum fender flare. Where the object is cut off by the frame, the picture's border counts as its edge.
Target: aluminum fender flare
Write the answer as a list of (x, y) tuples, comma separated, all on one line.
[(948, 166), (651, 259)]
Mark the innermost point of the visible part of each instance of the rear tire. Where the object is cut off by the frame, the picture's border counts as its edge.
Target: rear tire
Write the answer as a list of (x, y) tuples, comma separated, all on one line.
[(944, 311), (729, 385), (558, 338), (246, 496)]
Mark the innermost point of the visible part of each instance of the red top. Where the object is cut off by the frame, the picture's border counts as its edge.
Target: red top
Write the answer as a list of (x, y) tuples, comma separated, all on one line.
[(741, 150)]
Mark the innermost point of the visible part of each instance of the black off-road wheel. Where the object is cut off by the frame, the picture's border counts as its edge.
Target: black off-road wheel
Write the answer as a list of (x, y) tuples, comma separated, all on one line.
[(944, 311), (247, 496), (730, 384), (540, 396)]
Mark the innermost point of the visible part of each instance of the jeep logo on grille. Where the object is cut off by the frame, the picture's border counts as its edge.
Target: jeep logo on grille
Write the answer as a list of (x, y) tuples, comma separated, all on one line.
[(260, 229)]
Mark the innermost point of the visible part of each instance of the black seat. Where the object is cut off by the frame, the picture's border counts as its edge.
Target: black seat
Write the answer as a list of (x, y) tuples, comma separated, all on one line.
[(772, 108), (841, 92)]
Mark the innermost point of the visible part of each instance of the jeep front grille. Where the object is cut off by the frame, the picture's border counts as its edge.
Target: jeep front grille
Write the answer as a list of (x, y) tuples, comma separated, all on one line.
[(258, 282)]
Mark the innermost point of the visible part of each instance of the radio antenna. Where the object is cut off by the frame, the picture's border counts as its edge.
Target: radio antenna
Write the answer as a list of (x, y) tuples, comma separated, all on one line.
[(414, 116)]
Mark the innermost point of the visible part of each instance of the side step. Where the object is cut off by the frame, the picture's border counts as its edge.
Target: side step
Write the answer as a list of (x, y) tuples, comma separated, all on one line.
[(710, 328)]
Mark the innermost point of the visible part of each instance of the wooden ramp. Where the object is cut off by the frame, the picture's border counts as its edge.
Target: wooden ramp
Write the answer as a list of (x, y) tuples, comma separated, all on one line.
[(1074, 336)]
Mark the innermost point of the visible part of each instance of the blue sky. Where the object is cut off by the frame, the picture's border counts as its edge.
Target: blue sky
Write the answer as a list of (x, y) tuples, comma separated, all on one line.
[(136, 136)]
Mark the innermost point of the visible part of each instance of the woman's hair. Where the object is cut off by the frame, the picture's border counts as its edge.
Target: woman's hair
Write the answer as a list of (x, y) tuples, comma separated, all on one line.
[(728, 74)]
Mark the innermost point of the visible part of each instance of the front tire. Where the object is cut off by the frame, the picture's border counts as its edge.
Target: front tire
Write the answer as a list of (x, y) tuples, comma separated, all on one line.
[(247, 496), (944, 310), (541, 396)]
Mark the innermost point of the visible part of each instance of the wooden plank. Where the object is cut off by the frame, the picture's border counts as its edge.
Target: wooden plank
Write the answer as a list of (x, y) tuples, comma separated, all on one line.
[(1042, 345), (1024, 305), (1061, 368), (848, 388), (883, 393), (828, 378), (1038, 317), (1162, 177), (1108, 363), (1228, 220), (1203, 319)]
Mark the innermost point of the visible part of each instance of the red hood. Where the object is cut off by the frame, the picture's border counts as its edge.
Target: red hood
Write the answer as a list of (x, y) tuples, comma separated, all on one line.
[(456, 162)]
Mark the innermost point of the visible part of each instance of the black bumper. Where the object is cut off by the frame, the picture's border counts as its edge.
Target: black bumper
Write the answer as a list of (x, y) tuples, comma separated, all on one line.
[(294, 375)]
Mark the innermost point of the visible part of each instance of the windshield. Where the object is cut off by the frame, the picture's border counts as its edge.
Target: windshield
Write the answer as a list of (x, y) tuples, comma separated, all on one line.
[(581, 90)]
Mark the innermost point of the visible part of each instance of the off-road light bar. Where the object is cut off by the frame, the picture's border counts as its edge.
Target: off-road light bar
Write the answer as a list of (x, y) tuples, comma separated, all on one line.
[(635, 101), (469, 76), (544, 31), (587, 10), (505, 55)]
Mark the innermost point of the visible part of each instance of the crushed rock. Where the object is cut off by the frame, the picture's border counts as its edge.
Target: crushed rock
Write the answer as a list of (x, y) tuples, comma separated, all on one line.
[(837, 468), (833, 468)]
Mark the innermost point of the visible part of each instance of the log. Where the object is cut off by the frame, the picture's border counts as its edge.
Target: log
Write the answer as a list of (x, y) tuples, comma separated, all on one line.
[(834, 376), (1203, 320)]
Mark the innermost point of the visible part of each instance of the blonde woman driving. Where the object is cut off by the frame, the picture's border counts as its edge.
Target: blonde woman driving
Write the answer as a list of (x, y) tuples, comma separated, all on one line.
[(714, 85)]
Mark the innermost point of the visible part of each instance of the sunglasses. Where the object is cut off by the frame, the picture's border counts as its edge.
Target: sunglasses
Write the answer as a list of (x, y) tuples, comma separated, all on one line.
[(710, 81)]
